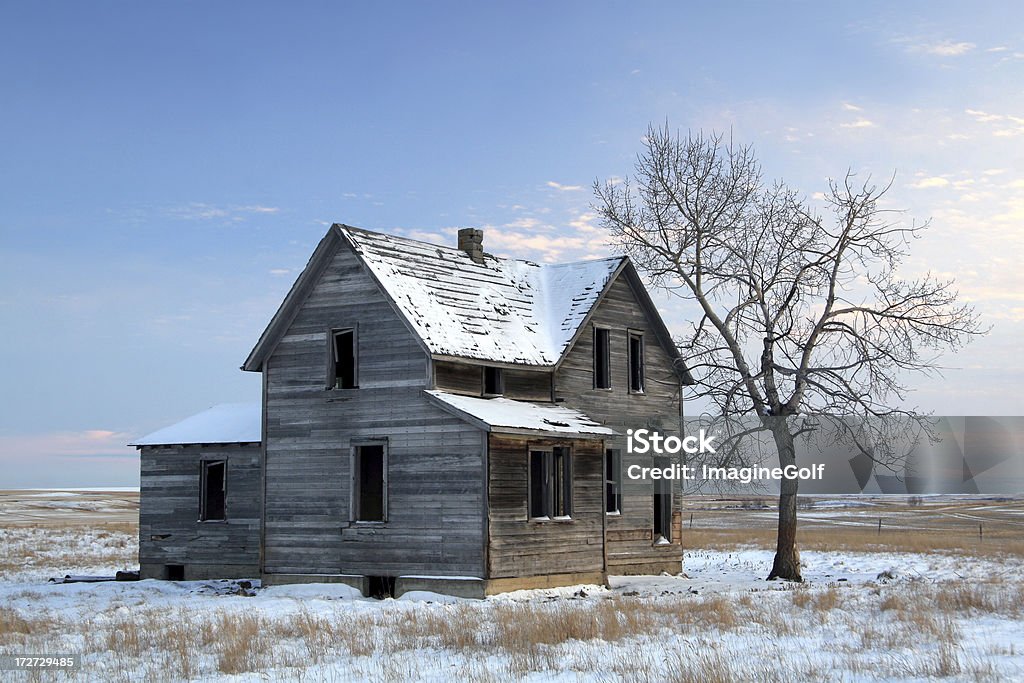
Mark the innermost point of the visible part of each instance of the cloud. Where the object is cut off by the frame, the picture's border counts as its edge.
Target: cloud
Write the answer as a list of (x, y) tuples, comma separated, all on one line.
[(564, 188), (946, 48), (199, 211), (849, 106), (1016, 123), (279, 271), (934, 181), (82, 444), (859, 123)]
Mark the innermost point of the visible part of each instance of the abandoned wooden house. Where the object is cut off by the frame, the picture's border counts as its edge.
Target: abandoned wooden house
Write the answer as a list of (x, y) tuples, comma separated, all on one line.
[(432, 418)]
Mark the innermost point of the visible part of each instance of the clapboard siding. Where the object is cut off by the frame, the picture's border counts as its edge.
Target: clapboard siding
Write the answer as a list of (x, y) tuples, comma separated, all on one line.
[(435, 461), (467, 379), (518, 547), (169, 530), (630, 539)]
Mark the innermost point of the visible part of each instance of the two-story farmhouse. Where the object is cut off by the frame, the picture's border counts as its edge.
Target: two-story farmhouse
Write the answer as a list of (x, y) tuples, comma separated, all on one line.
[(432, 417)]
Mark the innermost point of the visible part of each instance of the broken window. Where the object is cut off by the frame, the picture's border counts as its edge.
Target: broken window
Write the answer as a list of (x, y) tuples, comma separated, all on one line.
[(212, 487), (343, 360), (662, 505), (613, 481), (550, 492), (369, 477), (636, 362), (493, 382), (602, 359)]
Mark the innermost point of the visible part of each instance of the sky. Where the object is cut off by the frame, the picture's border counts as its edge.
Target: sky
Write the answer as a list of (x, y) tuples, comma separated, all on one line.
[(166, 169)]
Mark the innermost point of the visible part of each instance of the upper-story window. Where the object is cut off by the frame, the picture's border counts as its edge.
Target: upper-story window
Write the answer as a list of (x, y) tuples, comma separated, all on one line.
[(494, 382), (343, 371), (636, 362), (602, 358)]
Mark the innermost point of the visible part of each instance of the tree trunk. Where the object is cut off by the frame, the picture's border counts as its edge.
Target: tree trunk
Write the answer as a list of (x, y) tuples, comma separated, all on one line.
[(787, 557)]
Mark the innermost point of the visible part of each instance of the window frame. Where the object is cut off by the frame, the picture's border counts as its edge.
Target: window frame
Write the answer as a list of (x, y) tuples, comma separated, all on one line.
[(355, 488), (549, 496), (613, 481), (606, 333), (639, 358), (332, 360), (204, 477)]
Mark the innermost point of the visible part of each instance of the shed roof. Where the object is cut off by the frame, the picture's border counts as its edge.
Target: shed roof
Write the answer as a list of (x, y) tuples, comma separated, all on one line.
[(225, 423), (508, 416)]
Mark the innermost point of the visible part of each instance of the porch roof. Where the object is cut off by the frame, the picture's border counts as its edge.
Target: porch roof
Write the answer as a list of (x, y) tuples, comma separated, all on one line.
[(506, 416)]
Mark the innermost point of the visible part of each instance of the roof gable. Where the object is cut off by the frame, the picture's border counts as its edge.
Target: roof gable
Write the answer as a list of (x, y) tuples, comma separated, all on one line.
[(503, 311)]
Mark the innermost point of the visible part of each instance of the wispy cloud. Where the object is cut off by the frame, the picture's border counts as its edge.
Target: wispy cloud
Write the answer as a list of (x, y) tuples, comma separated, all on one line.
[(934, 181), (564, 188), (1007, 125), (849, 106), (859, 123), (945, 48), (200, 211)]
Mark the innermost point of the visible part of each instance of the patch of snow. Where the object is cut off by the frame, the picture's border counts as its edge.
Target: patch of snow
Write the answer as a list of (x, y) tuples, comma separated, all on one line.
[(321, 591), (430, 596)]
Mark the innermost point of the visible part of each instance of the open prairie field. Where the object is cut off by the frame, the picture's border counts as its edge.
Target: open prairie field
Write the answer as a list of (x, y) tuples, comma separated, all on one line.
[(921, 600)]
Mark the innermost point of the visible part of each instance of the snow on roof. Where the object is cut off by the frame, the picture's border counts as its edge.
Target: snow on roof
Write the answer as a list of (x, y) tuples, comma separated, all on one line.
[(225, 423), (502, 310), (505, 415)]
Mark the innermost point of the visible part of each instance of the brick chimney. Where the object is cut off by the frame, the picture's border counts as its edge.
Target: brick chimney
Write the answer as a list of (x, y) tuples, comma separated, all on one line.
[(471, 241)]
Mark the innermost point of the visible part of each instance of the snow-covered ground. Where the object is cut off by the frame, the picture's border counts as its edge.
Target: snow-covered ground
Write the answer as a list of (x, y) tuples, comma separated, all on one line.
[(859, 616)]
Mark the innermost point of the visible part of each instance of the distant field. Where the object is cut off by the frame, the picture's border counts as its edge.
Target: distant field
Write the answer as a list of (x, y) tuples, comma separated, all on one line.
[(988, 526)]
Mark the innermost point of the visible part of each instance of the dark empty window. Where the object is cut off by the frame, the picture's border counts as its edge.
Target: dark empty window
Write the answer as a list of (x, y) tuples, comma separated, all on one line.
[(613, 481), (602, 359), (370, 483), (212, 488), (550, 494), (636, 362), (493, 385), (343, 359), (662, 505)]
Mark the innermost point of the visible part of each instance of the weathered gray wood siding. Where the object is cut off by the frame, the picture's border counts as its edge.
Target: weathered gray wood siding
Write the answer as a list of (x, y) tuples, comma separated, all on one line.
[(519, 547), (630, 540), (169, 530), (467, 379), (435, 461)]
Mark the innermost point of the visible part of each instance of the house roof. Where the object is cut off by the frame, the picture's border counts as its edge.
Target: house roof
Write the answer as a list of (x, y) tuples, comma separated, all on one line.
[(499, 311), (519, 417), (225, 423), (502, 310)]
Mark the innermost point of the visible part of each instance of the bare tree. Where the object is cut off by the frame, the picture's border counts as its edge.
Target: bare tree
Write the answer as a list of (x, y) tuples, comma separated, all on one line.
[(801, 316)]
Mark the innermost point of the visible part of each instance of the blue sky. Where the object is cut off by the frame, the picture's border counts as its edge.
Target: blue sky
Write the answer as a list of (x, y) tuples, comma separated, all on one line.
[(167, 168)]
